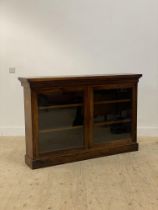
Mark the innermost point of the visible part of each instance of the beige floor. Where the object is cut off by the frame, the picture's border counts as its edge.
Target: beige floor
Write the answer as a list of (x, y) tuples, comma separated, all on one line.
[(119, 182)]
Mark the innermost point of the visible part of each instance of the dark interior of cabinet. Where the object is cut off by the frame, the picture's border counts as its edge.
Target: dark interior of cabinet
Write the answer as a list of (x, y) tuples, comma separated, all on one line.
[(61, 117), (61, 120), (112, 114)]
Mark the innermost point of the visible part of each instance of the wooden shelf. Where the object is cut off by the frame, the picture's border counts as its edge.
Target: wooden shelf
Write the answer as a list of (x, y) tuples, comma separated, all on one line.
[(80, 104), (112, 122), (60, 129), (112, 101), (59, 106)]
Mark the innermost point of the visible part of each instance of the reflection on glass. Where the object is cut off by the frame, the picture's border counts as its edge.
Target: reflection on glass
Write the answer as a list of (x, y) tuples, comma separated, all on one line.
[(112, 94), (103, 134), (112, 115), (61, 140), (60, 97), (60, 120)]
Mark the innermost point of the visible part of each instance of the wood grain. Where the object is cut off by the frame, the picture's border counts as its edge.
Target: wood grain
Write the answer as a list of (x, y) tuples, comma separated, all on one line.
[(47, 85)]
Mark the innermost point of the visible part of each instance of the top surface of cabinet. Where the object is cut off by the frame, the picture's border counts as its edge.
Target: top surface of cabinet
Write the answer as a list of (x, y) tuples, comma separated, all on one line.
[(39, 82)]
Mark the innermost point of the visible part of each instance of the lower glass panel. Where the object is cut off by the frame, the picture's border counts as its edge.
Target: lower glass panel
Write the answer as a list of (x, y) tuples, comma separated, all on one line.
[(61, 140), (105, 134)]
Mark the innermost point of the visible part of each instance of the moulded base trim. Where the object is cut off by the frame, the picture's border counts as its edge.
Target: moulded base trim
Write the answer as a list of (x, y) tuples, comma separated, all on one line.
[(79, 155)]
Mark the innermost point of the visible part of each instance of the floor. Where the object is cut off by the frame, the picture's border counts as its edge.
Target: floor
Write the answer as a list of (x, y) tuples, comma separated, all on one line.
[(120, 182)]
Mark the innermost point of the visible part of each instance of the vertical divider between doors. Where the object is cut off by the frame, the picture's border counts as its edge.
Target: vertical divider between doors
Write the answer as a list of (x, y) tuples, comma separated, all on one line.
[(88, 116)]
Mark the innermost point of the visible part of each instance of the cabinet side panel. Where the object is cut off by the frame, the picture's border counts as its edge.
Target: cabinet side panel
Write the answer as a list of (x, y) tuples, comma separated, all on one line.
[(134, 112), (35, 127), (28, 123)]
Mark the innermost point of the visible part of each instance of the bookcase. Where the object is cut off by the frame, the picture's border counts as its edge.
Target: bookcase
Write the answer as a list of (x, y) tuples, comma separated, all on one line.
[(79, 117)]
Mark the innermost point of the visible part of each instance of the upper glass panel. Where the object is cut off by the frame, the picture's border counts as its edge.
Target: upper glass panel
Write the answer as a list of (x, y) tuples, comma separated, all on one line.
[(101, 95), (60, 97), (61, 119)]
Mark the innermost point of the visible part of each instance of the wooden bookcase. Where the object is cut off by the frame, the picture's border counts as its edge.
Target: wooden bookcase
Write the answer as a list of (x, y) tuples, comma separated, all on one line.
[(75, 118)]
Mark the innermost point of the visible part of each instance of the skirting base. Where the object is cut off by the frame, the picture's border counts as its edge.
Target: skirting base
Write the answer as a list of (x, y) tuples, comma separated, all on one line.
[(54, 159)]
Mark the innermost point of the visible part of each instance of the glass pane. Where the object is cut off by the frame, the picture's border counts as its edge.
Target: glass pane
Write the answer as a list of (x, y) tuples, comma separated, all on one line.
[(60, 117), (112, 94), (103, 134), (112, 115), (61, 140), (60, 97), (61, 120)]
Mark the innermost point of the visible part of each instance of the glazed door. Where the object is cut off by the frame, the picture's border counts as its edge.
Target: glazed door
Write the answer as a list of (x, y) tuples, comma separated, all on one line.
[(112, 115), (61, 119)]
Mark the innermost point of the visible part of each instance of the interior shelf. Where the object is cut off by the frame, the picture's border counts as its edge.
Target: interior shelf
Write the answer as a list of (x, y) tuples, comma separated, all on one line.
[(112, 122), (59, 106), (60, 129), (112, 101), (79, 104)]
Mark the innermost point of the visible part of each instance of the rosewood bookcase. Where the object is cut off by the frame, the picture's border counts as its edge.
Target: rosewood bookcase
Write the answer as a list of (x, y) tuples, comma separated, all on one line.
[(75, 118)]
